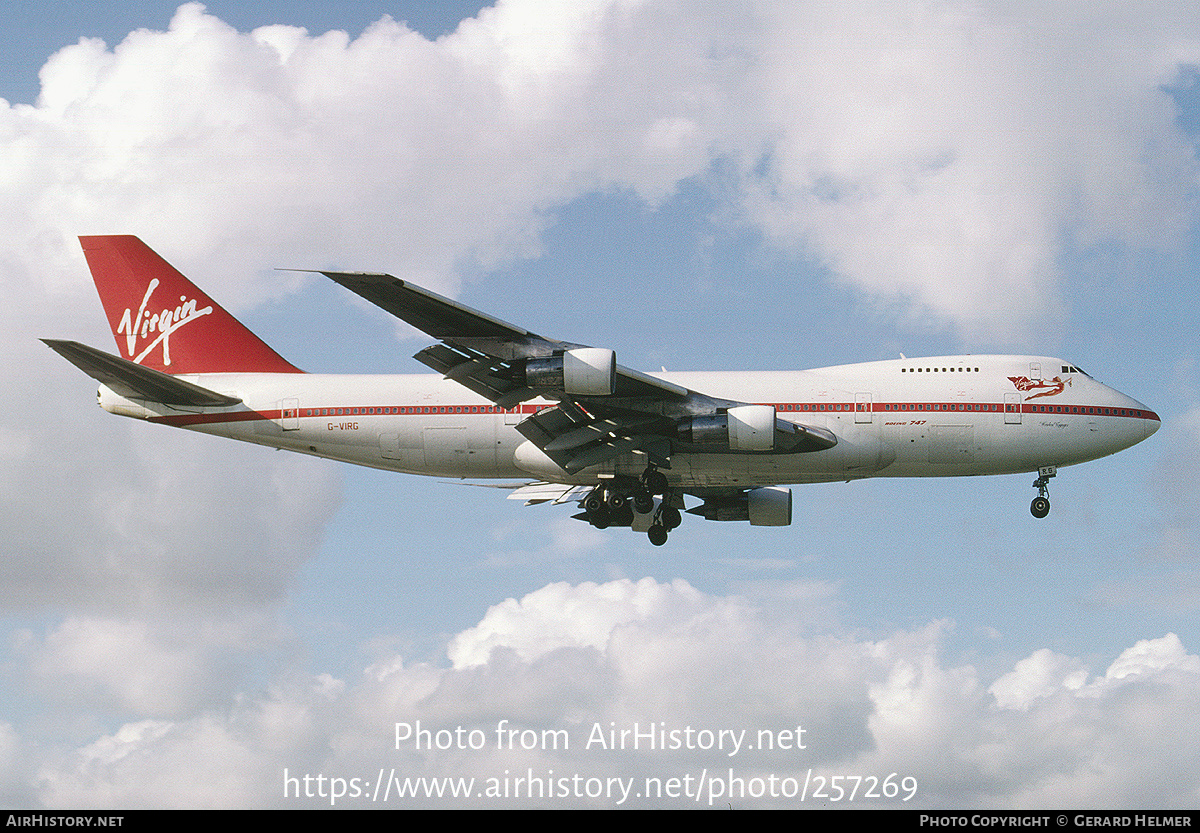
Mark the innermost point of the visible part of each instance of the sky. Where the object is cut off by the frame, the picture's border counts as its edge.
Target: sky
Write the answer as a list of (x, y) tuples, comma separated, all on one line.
[(189, 622)]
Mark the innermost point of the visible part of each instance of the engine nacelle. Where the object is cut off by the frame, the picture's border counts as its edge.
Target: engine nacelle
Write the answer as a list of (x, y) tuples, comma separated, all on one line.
[(770, 506), (752, 428), (584, 371), (744, 428)]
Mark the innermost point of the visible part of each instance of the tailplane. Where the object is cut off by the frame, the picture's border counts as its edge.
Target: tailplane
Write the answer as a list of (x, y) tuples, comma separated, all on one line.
[(133, 381), (162, 321)]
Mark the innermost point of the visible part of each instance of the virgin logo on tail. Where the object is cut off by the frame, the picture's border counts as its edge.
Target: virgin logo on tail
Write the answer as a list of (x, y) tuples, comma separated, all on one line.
[(164, 322)]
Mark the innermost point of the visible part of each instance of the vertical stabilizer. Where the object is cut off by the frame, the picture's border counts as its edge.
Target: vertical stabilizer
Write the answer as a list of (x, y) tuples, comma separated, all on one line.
[(161, 320)]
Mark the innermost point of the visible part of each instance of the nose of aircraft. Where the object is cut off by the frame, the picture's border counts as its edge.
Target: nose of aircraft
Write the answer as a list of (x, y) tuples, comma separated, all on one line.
[(1145, 420), (1150, 422), (1148, 418)]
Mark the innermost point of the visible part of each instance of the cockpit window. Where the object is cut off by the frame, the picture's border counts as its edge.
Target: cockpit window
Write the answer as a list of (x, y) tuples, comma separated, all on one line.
[(1069, 368)]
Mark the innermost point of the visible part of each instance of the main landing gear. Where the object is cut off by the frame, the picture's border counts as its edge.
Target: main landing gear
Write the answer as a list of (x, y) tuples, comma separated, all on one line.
[(1040, 507), (628, 502)]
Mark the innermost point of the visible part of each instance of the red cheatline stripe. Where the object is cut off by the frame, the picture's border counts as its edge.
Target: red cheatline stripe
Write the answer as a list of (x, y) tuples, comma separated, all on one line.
[(883, 408), (225, 416)]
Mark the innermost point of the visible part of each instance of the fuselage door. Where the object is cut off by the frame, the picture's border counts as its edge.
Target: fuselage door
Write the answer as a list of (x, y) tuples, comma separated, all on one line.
[(1012, 408), (289, 414), (862, 407)]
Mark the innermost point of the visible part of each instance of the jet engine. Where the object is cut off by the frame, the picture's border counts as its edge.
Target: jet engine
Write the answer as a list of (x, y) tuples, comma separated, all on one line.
[(744, 428), (771, 506), (768, 506), (584, 371)]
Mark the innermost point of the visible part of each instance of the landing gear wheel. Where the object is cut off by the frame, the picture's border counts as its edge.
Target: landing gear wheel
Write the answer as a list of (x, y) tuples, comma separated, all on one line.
[(596, 510), (655, 480), (670, 517), (643, 502), (616, 500), (594, 502), (1040, 507), (657, 535), (622, 516)]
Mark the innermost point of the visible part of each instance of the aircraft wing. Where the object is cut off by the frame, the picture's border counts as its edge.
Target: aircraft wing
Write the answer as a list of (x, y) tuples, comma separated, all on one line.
[(132, 380), (604, 409), (478, 350)]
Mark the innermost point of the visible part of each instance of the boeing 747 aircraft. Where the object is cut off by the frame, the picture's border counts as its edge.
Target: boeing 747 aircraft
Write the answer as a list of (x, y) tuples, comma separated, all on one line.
[(628, 447)]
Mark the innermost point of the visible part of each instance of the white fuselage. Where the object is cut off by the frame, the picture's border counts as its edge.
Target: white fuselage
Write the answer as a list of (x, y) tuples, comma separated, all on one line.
[(951, 416)]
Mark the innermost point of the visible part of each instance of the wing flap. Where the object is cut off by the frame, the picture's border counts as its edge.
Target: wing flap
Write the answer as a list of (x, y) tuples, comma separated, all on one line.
[(555, 493), (547, 424), (479, 373), (599, 453), (575, 438), (583, 435), (132, 380)]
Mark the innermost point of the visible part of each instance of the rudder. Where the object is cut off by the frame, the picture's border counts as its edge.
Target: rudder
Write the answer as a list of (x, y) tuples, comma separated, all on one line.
[(163, 321)]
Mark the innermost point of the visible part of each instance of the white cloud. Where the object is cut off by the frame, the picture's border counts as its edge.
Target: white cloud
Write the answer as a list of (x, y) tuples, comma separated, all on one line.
[(943, 162), (144, 667), (203, 763), (942, 153), (137, 517), (15, 788), (1151, 656), (936, 156), (588, 658), (1038, 675), (581, 616)]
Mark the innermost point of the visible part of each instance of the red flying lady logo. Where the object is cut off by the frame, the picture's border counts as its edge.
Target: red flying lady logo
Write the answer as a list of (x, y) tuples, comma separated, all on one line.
[(1053, 386)]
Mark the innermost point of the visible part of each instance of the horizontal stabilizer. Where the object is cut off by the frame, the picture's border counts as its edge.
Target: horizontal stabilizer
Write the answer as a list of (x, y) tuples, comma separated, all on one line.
[(132, 380)]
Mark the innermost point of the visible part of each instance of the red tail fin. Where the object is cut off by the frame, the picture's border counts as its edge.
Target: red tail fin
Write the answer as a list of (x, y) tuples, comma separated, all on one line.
[(161, 320)]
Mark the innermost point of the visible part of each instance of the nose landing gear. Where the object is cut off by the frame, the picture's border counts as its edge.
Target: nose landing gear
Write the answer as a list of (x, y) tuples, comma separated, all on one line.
[(1040, 507)]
